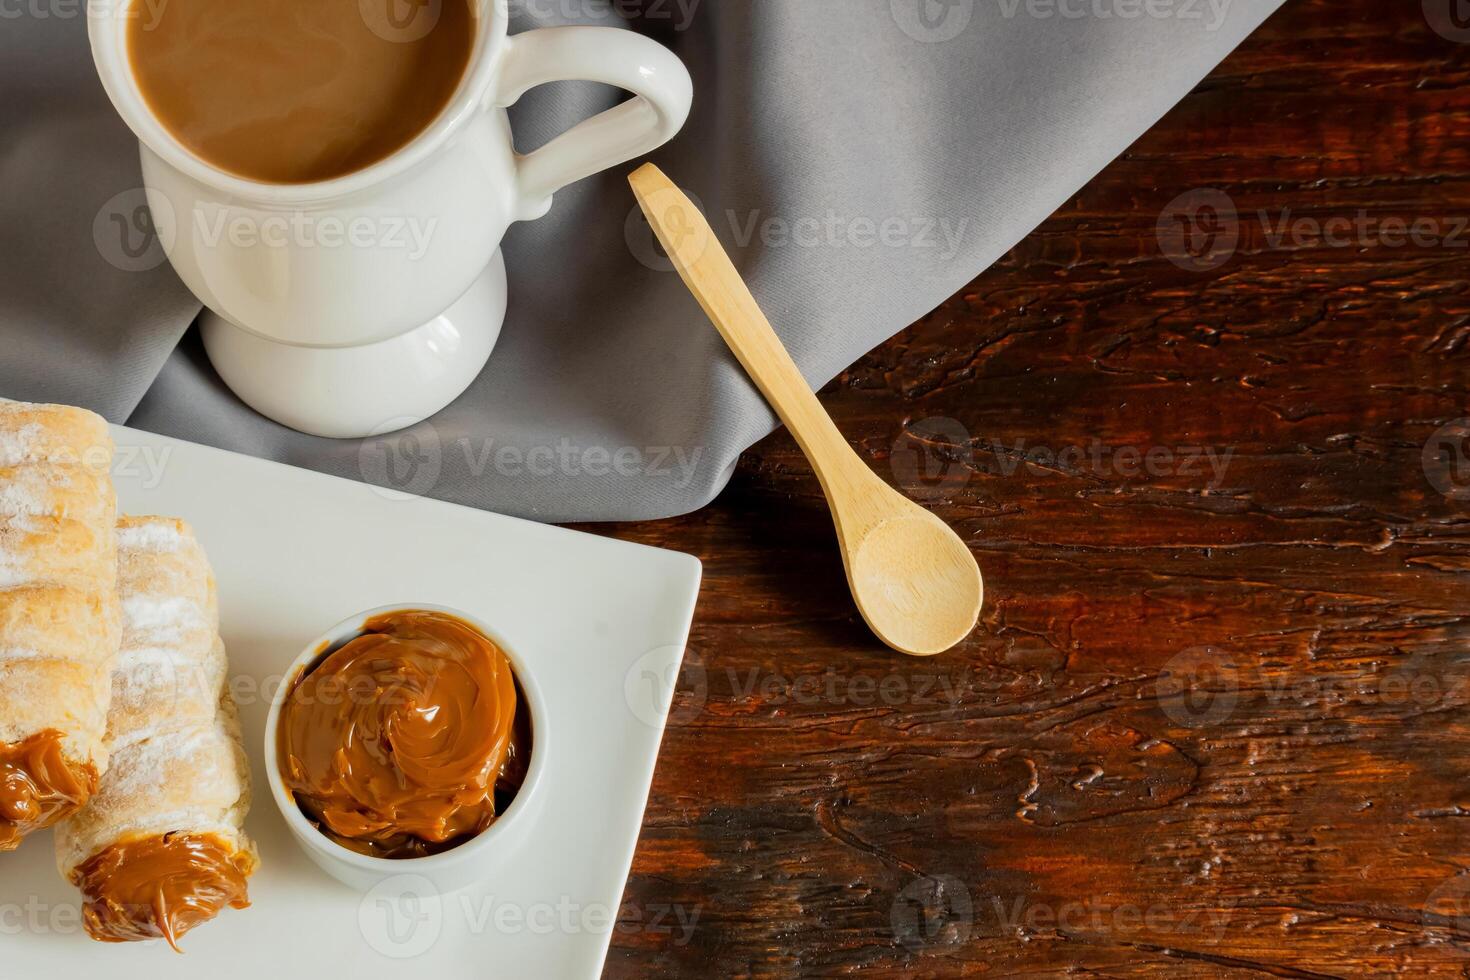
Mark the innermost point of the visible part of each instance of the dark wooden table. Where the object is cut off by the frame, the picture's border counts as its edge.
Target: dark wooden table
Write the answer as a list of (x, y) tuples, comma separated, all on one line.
[(1216, 721)]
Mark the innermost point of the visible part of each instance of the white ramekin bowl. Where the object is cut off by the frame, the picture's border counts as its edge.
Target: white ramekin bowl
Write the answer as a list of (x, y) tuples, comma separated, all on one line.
[(473, 861)]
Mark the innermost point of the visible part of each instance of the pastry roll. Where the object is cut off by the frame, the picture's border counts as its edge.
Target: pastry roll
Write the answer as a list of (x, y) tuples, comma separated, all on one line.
[(160, 848), (58, 611)]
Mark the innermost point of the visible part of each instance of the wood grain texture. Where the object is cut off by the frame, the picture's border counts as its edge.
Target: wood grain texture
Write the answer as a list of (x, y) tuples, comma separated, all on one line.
[(1216, 719)]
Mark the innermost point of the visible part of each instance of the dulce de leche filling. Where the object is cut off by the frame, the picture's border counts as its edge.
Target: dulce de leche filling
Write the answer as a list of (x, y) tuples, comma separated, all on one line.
[(159, 886), (405, 741), (39, 786)]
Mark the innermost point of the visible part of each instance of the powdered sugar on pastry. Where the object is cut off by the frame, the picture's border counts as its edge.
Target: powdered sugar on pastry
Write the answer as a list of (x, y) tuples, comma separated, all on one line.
[(19, 445), (178, 770), (59, 622), (156, 536), (165, 618)]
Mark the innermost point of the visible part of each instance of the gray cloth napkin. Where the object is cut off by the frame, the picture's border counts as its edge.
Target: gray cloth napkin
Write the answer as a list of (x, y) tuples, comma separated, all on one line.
[(862, 159)]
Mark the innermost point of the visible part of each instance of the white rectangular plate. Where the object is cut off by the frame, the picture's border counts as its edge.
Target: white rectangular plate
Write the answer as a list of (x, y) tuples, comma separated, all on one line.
[(601, 623)]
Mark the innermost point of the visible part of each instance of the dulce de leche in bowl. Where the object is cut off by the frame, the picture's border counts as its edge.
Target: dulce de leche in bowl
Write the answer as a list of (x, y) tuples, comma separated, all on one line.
[(407, 737)]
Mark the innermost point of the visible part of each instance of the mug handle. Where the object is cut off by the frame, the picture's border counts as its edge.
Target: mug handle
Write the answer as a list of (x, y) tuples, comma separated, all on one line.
[(653, 73)]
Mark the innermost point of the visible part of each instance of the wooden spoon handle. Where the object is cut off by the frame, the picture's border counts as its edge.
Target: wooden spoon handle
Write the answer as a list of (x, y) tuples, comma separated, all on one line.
[(915, 582), (711, 277)]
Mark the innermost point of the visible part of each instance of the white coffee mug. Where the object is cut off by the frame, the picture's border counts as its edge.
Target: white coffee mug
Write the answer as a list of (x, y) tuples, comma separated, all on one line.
[(366, 303)]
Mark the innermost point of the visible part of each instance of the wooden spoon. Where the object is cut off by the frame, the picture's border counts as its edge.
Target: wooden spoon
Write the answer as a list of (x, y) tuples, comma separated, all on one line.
[(915, 582)]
